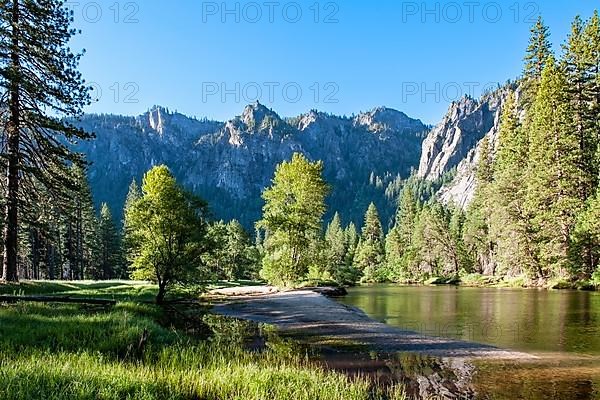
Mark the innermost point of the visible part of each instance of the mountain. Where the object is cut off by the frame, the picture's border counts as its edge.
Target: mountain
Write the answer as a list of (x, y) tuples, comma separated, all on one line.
[(230, 163), (453, 146)]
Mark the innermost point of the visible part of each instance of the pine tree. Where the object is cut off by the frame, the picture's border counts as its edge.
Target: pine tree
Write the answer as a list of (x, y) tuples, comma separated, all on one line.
[(370, 252), (399, 252), (581, 63), (592, 39), (476, 239), (81, 229), (38, 73), (456, 231), (511, 223), (554, 174), (336, 247), (578, 63), (352, 238), (216, 259), (111, 260), (134, 194), (538, 50)]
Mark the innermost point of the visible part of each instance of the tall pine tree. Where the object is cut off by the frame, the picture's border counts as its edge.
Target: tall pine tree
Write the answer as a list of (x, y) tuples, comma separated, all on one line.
[(554, 173), (38, 73)]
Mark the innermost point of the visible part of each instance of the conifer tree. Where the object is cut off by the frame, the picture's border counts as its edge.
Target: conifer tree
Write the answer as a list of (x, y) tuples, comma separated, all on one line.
[(352, 238), (81, 239), (111, 261), (370, 252), (475, 232), (41, 86), (538, 50), (581, 62), (554, 173), (579, 66), (133, 194), (399, 252), (232, 255), (336, 246)]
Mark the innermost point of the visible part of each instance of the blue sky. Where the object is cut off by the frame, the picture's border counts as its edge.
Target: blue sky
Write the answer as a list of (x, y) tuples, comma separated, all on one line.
[(210, 58)]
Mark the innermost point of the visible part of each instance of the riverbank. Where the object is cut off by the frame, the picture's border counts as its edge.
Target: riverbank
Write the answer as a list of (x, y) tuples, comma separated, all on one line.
[(514, 282), (311, 317)]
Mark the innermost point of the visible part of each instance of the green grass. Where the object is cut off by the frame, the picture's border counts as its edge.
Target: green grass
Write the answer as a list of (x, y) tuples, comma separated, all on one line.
[(117, 290), (65, 351)]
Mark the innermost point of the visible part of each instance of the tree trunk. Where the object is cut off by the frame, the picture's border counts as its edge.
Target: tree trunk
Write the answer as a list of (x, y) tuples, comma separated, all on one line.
[(9, 270), (162, 291)]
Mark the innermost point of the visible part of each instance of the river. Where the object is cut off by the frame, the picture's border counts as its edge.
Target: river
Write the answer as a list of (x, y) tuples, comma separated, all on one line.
[(562, 328)]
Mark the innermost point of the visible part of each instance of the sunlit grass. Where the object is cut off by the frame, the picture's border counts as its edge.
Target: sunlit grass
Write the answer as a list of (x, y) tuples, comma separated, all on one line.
[(67, 351)]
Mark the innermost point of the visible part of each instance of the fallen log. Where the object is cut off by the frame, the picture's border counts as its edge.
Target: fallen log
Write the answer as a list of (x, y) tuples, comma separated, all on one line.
[(328, 291), (56, 299)]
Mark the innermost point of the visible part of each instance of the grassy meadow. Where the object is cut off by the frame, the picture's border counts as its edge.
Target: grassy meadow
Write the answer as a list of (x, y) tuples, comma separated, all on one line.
[(138, 350)]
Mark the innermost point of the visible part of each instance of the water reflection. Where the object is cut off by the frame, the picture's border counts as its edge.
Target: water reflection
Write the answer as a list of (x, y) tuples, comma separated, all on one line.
[(525, 320), (562, 378)]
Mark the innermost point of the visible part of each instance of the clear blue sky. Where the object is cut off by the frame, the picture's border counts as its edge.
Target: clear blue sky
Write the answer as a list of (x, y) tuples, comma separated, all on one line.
[(348, 56)]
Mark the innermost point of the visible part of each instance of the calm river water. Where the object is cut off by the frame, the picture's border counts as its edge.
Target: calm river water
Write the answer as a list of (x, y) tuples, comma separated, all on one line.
[(561, 327)]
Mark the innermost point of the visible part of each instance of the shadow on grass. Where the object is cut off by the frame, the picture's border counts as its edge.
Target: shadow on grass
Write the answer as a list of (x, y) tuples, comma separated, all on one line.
[(115, 290), (73, 328)]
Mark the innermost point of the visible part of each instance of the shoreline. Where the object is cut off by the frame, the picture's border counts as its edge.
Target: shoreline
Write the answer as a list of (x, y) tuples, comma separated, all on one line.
[(310, 317)]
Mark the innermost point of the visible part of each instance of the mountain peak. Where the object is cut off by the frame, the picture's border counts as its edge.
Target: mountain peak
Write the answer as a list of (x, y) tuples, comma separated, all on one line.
[(382, 118), (254, 115), (156, 118)]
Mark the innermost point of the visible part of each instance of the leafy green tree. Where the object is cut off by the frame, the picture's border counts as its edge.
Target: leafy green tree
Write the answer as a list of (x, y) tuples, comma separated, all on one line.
[(167, 228), (370, 252), (233, 255), (293, 218), (41, 86), (435, 243)]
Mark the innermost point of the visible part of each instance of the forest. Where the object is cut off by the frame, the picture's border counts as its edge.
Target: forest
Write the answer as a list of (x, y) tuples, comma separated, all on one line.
[(534, 219)]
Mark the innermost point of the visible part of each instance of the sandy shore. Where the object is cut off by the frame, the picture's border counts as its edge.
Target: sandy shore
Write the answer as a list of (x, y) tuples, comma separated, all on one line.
[(316, 318)]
